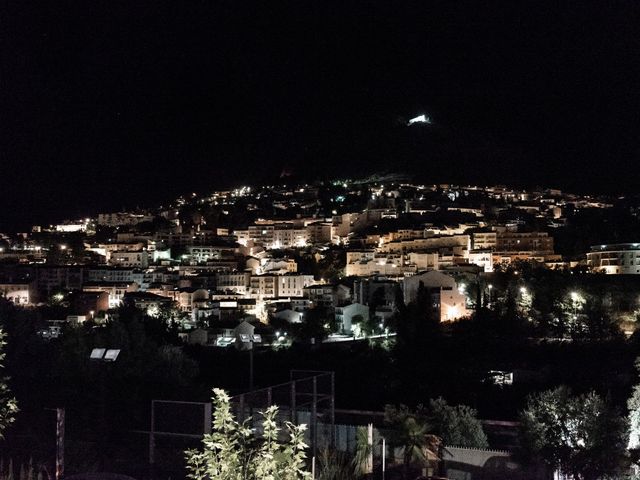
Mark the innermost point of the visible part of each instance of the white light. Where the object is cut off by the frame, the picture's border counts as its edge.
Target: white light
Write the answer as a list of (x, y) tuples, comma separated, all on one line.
[(523, 290), (574, 296), (419, 119), (111, 355), (97, 353)]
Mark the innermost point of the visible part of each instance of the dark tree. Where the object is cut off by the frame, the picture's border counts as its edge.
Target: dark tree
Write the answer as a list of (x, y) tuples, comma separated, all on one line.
[(582, 436)]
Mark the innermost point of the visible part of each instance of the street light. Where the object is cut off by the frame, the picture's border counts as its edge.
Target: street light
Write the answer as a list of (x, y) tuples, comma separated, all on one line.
[(575, 297), (244, 341), (103, 356)]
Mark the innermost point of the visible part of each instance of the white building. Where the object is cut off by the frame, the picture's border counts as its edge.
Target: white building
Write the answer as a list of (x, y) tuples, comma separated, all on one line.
[(482, 258), (237, 282), (448, 299), (116, 290), (20, 293), (135, 259), (615, 259), (345, 316), (364, 263), (278, 286), (205, 253)]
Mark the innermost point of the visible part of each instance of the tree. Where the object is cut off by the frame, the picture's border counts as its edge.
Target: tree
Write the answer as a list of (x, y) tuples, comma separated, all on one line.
[(633, 405), (456, 426), (581, 436), (8, 405), (233, 451), (411, 433), (314, 325), (362, 461)]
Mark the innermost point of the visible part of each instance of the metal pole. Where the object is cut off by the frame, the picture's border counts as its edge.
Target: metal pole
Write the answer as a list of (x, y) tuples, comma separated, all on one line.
[(314, 416), (207, 418), (269, 396), (152, 438), (384, 457), (333, 409), (251, 367), (59, 443), (293, 402), (241, 413), (369, 465)]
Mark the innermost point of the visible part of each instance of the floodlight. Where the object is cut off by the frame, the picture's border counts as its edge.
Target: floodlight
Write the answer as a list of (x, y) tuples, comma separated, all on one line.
[(257, 338), (244, 338), (111, 355), (97, 353)]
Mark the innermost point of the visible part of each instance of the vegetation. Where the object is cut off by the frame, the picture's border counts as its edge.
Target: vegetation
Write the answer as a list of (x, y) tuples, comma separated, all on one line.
[(24, 472), (457, 426), (8, 404), (582, 436), (233, 451)]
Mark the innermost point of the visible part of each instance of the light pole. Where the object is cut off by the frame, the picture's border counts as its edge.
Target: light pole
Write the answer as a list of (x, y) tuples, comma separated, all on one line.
[(245, 341), (574, 299), (103, 357)]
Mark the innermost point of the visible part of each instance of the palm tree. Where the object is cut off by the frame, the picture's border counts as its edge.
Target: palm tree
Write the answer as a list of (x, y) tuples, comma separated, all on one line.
[(412, 437), (410, 432), (363, 460), (334, 465)]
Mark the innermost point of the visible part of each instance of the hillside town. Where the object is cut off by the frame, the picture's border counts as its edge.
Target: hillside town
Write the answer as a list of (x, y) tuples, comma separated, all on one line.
[(271, 254)]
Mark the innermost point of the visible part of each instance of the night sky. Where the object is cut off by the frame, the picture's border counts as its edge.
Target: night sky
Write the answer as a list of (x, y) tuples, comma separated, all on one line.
[(110, 104)]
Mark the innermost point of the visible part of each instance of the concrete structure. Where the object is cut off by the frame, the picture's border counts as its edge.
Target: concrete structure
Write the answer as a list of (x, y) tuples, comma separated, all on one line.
[(345, 316), (135, 259), (20, 293), (363, 263), (524, 241), (615, 259), (206, 253), (448, 300), (84, 303), (278, 286), (327, 295), (51, 278), (115, 290), (383, 290)]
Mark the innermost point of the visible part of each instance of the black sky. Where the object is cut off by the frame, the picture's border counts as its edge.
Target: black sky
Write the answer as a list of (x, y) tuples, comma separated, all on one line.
[(106, 104)]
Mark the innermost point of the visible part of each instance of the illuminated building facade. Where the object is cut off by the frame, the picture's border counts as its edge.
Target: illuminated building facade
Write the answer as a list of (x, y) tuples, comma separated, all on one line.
[(615, 259)]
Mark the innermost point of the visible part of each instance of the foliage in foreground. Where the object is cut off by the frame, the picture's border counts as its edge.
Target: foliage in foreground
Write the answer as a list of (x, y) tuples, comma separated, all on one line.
[(25, 472), (8, 405), (581, 436), (234, 451)]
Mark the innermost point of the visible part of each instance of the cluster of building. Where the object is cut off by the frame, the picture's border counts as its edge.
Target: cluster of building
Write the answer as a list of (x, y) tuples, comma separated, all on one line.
[(257, 252)]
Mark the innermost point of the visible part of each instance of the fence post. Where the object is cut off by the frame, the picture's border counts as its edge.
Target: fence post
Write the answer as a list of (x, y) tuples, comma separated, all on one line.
[(314, 415), (333, 409), (241, 413), (293, 402), (152, 439), (59, 443)]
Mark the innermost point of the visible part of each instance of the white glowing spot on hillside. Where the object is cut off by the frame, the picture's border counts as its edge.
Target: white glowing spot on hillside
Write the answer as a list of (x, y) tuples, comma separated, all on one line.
[(420, 119)]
